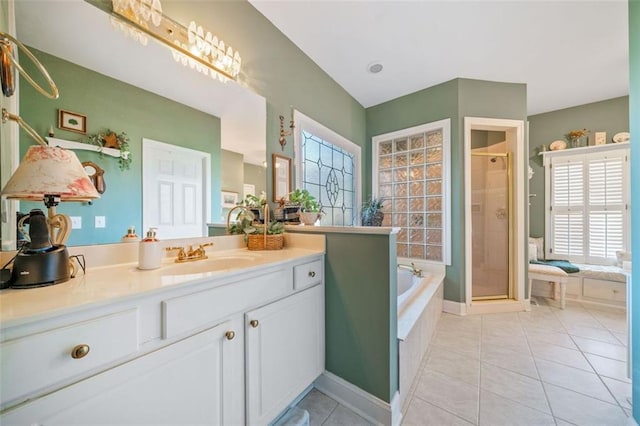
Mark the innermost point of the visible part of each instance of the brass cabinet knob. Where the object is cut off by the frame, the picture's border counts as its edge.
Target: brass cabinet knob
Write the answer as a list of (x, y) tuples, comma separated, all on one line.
[(312, 274), (254, 323), (80, 351), (230, 334)]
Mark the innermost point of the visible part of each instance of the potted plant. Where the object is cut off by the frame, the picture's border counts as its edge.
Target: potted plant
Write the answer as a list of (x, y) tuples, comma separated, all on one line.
[(255, 204), (110, 139), (310, 209), (372, 214)]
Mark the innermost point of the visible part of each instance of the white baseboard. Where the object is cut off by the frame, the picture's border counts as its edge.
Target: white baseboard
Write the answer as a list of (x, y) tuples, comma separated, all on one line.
[(456, 308), (372, 408), (498, 306)]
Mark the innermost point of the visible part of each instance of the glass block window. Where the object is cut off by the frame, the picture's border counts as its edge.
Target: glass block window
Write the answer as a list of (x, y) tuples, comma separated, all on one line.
[(328, 167), (411, 173)]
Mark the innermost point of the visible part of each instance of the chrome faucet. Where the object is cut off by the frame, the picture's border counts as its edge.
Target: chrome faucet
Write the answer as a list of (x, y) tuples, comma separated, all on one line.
[(191, 253), (415, 271)]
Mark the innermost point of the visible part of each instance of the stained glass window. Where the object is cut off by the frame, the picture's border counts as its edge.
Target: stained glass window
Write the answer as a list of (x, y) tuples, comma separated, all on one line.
[(411, 178), (328, 167)]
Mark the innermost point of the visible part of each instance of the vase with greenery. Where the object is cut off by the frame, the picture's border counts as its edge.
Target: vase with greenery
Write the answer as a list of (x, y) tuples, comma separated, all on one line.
[(372, 214), (310, 208), (577, 138)]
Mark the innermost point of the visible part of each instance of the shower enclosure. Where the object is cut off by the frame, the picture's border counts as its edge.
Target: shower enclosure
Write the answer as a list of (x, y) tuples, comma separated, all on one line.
[(491, 219)]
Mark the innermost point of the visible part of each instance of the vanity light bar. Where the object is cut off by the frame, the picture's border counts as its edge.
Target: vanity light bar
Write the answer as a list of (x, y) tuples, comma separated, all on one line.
[(191, 46)]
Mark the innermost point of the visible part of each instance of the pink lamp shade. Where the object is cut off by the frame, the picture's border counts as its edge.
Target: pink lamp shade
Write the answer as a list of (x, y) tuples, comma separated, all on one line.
[(46, 170)]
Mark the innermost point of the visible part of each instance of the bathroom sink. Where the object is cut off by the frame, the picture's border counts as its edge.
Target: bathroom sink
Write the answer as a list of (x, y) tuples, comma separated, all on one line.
[(213, 264)]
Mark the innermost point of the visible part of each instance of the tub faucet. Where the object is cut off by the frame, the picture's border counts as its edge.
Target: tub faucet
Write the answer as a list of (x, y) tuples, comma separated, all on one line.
[(415, 271)]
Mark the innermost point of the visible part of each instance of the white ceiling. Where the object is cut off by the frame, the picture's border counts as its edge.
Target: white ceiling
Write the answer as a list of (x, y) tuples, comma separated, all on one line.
[(567, 52)]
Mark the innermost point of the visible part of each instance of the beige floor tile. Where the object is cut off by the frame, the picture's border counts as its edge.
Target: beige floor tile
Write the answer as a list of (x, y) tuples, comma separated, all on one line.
[(552, 337), (318, 405), (453, 364), (514, 386), (452, 395), (421, 413), (570, 357), (455, 343), (543, 324), (592, 333), (596, 347), (514, 343), (511, 360), (344, 417), (498, 411), (609, 367), (623, 338), (620, 390), (583, 410), (574, 379)]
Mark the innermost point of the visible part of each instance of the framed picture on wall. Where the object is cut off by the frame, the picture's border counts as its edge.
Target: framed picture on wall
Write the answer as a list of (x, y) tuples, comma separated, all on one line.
[(229, 199), (281, 166), (72, 121)]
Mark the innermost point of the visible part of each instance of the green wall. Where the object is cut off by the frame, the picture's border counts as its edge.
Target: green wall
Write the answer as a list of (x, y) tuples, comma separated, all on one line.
[(275, 68), (611, 116), (118, 106), (634, 122), (361, 309), (454, 99)]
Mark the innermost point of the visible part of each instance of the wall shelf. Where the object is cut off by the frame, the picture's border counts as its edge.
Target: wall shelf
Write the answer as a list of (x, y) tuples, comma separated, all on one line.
[(584, 149), (83, 146)]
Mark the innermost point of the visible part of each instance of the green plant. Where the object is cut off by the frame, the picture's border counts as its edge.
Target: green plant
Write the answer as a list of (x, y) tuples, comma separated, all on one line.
[(120, 140), (243, 223), (371, 213), (251, 201), (305, 200)]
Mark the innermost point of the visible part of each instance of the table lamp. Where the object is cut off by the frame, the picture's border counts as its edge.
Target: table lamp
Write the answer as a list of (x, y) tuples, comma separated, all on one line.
[(51, 174)]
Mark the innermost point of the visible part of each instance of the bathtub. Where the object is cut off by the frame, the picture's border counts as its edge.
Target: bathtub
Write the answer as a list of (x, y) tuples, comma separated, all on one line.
[(409, 285), (420, 301)]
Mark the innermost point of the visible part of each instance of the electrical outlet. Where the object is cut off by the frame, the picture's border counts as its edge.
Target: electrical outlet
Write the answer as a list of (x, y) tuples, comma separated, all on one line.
[(101, 221), (76, 222)]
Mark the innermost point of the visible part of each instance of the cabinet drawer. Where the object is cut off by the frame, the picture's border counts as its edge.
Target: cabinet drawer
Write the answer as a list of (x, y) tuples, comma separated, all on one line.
[(608, 290), (308, 274), (40, 360), (197, 310)]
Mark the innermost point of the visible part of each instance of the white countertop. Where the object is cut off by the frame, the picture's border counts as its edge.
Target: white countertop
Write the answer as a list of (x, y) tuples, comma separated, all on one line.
[(106, 284)]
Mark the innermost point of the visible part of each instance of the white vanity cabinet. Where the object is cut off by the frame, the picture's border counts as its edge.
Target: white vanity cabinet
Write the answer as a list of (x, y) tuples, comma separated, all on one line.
[(284, 353), (198, 380), (230, 351)]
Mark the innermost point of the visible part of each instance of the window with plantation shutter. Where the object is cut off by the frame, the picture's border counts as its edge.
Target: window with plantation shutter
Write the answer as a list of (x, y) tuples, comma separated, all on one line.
[(587, 205)]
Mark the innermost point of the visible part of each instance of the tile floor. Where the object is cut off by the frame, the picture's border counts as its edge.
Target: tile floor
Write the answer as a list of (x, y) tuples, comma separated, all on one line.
[(544, 367)]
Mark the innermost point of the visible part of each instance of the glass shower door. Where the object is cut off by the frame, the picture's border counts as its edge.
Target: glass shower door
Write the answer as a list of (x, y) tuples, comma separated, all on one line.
[(491, 224)]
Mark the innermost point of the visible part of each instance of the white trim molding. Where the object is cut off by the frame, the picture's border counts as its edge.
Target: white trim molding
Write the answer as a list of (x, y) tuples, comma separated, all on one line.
[(370, 407), (456, 308)]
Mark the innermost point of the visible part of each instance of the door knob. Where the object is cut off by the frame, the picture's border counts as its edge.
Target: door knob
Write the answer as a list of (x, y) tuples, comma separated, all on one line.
[(230, 334), (254, 323)]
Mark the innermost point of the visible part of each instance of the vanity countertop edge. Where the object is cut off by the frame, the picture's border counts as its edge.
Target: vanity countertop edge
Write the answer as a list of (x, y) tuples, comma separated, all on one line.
[(104, 285)]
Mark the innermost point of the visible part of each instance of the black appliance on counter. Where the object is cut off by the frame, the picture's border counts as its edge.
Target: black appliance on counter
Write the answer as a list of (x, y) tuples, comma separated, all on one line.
[(40, 263)]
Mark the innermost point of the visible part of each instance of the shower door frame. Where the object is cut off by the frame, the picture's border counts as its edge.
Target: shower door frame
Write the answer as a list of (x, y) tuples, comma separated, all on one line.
[(510, 212), (517, 145)]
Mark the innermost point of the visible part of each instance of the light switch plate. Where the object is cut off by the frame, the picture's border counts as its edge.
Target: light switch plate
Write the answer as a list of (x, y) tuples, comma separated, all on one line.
[(100, 221), (76, 222)]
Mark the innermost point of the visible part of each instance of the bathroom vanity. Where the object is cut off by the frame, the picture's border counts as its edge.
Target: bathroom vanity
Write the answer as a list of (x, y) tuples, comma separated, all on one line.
[(178, 345)]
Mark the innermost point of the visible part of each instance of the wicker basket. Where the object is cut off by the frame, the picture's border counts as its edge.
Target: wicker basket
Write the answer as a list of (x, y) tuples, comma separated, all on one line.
[(265, 242)]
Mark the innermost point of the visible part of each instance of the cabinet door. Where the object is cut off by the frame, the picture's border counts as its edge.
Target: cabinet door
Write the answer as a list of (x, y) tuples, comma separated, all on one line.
[(284, 352), (198, 380)]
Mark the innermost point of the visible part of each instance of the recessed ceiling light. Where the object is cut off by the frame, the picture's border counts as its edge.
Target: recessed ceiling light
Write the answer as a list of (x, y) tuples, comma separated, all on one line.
[(375, 67)]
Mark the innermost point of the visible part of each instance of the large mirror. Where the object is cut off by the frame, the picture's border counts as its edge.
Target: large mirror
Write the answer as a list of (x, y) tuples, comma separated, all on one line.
[(124, 86)]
